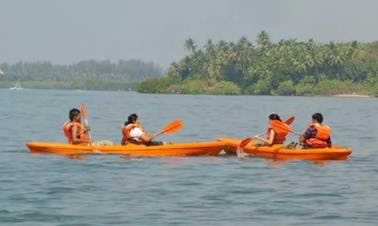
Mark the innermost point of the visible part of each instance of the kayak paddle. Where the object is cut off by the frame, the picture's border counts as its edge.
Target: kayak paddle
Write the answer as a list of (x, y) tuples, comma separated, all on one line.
[(246, 141), (84, 114), (289, 120), (171, 127), (281, 127)]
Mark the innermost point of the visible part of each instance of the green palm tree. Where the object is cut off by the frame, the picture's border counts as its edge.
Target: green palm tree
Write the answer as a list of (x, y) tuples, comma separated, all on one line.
[(190, 46), (210, 49), (263, 40)]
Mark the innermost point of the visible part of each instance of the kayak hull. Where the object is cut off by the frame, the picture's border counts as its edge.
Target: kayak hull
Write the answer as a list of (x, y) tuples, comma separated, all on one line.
[(178, 149), (278, 151)]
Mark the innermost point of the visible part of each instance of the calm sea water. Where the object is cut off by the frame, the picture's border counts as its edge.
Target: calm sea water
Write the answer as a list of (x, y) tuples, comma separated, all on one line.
[(223, 190)]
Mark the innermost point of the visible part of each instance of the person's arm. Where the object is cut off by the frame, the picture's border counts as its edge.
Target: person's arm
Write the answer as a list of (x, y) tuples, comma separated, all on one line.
[(309, 133), (272, 135), (146, 138), (329, 142), (267, 141), (75, 136), (124, 133), (302, 139), (123, 140), (142, 136)]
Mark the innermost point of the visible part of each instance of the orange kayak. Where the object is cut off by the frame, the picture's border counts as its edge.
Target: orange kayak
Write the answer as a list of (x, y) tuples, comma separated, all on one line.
[(177, 149), (278, 151)]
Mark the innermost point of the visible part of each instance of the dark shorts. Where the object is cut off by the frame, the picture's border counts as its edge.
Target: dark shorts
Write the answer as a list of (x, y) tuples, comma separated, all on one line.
[(155, 143)]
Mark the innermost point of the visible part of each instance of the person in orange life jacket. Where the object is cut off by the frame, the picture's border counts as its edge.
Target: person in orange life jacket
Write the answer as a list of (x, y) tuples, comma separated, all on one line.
[(74, 130), (134, 132), (317, 135), (273, 137)]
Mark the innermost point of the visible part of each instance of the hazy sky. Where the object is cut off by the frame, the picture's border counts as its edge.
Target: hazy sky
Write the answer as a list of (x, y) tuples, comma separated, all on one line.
[(68, 31)]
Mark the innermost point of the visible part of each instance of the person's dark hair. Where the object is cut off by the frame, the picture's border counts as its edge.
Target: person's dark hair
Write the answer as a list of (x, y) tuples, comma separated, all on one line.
[(73, 113), (131, 119), (274, 116), (318, 117)]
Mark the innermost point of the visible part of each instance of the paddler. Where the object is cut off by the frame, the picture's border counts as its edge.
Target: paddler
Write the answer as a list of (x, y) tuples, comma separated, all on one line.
[(74, 130), (133, 132), (274, 135), (317, 135)]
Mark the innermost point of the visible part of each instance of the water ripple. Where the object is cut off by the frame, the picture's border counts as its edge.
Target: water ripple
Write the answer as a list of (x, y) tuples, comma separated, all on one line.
[(123, 190)]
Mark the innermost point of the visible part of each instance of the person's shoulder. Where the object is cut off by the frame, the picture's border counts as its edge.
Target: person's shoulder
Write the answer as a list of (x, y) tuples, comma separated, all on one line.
[(136, 128), (310, 130), (325, 125)]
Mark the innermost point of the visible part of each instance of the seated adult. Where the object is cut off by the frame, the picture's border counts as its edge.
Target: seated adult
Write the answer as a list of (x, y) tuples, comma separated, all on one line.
[(74, 130), (133, 132), (274, 135), (317, 135)]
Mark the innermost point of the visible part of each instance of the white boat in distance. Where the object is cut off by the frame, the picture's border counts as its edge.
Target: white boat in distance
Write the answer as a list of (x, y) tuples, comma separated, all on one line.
[(16, 87)]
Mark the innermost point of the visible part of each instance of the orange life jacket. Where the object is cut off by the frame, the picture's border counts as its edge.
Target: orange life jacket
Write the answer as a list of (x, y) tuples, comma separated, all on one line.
[(81, 130), (323, 133), (279, 138), (126, 133)]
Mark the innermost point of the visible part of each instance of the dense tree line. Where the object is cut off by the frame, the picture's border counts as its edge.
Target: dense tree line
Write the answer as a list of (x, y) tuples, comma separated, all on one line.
[(90, 74), (288, 67)]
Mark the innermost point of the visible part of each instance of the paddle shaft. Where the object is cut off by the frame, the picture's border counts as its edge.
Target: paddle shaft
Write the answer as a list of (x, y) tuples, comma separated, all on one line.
[(84, 114), (88, 131), (245, 141), (171, 127)]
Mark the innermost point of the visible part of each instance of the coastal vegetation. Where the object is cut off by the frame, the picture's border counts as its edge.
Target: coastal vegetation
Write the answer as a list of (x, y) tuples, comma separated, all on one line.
[(288, 67), (86, 75)]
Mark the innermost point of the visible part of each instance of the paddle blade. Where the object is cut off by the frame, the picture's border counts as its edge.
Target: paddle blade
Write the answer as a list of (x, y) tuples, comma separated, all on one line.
[(280, 127), (290, 120), (84, 110), (246, 141), (240, 152), (172, 127)]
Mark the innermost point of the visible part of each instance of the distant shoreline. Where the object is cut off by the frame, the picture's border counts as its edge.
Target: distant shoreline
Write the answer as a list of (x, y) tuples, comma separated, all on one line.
[(353, 95), (342, 95)]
